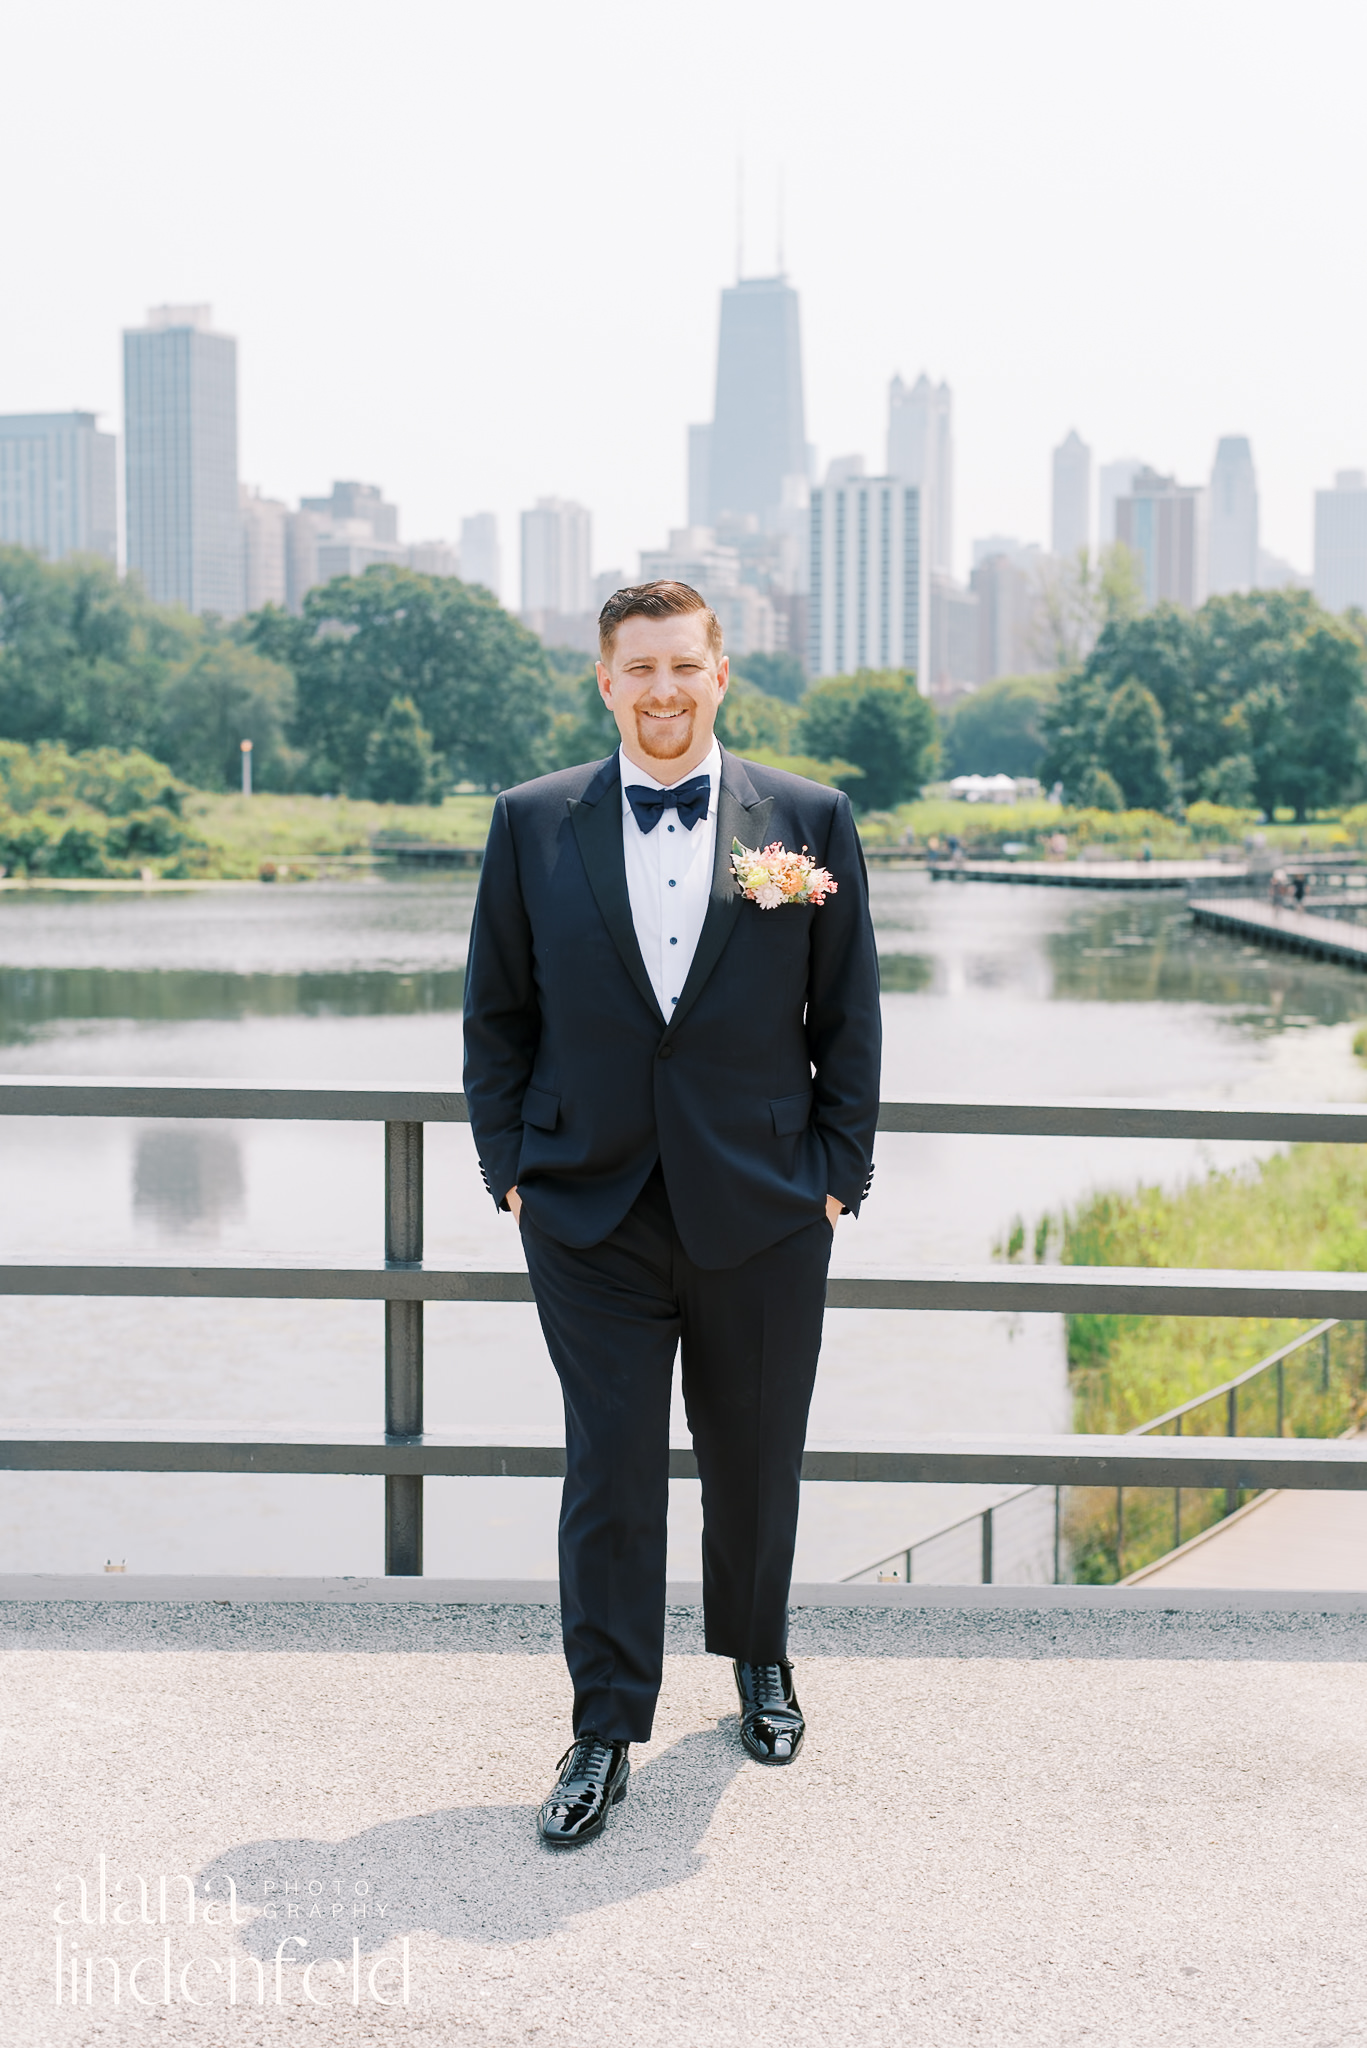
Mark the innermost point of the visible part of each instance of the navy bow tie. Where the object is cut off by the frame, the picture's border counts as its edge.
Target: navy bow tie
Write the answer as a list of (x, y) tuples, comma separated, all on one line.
[(689, 799)]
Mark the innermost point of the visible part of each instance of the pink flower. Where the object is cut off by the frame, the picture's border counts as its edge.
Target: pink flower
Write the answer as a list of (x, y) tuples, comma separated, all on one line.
[(775, 876)]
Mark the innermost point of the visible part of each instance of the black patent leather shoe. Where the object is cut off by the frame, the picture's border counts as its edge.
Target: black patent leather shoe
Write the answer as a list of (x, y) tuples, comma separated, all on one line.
[(771, 1723), (593, 1779)]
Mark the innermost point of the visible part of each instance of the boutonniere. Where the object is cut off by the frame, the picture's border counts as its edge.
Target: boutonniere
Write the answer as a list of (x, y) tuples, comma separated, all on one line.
[(776, 876)]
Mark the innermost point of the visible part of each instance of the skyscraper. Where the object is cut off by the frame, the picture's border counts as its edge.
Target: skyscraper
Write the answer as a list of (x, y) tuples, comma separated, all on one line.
[(700, 475), (556, 551), (868, 602), (481, 558), (921, 452), (58, 485), (1006, 583), (1164, 522), (265, 572), (365, 502), (757, 441), (180, 409), (1233, 517), (1113, 481), (1071, 525), (1341, 542)]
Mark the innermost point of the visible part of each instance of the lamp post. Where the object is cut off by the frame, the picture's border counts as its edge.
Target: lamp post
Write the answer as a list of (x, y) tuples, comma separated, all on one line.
[(246, 767)]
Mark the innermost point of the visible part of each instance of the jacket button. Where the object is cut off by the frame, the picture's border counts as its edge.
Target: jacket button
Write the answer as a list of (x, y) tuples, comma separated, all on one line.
[(664, 1052)]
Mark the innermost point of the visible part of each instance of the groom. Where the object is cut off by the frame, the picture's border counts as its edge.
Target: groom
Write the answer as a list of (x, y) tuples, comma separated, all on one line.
[(674, 1090)]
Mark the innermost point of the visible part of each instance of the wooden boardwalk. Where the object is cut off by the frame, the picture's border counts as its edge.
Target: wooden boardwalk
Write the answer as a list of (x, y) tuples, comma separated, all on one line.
[(1284, 1540), (1091, 874), (1245, 917)]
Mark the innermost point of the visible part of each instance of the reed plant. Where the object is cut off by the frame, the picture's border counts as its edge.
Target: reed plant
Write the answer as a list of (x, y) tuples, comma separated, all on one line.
[(1304, 1208)]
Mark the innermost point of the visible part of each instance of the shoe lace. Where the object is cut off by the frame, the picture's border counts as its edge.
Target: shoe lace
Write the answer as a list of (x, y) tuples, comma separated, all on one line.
[(591, 1757), (768, 1686)]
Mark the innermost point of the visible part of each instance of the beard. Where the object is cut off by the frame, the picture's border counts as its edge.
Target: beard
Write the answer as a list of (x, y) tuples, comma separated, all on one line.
[(665, 742)]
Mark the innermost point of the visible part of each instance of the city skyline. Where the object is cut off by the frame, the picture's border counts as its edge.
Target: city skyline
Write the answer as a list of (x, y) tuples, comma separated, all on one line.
[(359, 527), (484, 355)]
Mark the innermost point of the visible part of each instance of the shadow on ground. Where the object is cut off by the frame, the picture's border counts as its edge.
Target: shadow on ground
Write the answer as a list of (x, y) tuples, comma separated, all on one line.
[(479, 1873)]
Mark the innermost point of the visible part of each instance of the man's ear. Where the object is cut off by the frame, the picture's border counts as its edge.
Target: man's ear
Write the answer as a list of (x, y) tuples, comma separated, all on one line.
[(604, 684), (723, 674)]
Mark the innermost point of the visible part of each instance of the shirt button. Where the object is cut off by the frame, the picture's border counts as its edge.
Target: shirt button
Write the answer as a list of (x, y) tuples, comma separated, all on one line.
[(673, 942), (669, 828), (673, 885)]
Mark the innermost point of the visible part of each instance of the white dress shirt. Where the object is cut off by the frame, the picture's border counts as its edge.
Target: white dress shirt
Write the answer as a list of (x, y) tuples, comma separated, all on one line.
[(669, 878)]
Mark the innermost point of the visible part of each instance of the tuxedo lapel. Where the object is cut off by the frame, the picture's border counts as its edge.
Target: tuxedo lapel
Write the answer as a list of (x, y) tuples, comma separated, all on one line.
[(597, 821), (740, 815)]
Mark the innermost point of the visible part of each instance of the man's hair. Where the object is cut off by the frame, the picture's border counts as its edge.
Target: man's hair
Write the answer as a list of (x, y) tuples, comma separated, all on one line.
[(663, 600)]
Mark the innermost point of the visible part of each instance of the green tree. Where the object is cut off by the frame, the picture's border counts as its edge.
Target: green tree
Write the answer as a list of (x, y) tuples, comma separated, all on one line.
[(82, 656), (1305, 736), (878, 721), (1078, 597), (778, 675), (1134, 748), (586, 733), (750, 720), (1072, 725), (477, 678), (1098, 790), (222, 695), (402, 766), (999, 730)]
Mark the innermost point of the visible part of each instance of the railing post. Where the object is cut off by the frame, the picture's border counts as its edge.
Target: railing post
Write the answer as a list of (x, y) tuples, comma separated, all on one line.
[(1120, 1532), (1232, 1429), (987, 1546), (1281, 1397), (1058, 1530), (403, 1346)]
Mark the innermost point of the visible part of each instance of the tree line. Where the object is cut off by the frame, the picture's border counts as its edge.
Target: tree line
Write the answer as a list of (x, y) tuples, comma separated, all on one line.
[(400, 686), (392, 685), (1256, 701)]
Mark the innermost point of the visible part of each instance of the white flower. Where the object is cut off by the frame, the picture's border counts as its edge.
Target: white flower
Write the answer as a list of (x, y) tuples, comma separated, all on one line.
[(769, 897)]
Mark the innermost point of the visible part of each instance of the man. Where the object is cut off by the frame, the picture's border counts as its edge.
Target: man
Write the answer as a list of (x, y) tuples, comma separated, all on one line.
[(674, 1089)]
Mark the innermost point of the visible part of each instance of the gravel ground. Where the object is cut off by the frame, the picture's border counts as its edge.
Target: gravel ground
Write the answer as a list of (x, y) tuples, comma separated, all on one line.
[(1028, 1817)]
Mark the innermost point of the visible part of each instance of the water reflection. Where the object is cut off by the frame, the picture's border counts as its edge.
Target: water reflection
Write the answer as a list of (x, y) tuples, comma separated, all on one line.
[(1147, 952), (34, 998), (988, 992), (187, 1178)]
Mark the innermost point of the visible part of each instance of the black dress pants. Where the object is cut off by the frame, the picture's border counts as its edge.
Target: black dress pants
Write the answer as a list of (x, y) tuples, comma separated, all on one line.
[(613, 1317)]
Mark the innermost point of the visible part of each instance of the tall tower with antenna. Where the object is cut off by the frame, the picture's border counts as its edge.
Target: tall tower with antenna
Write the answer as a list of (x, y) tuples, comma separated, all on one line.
[(756, 449)]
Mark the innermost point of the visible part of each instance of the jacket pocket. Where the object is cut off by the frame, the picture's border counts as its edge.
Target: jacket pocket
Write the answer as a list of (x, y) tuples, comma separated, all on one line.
[(541, 1109), (791, 1113)]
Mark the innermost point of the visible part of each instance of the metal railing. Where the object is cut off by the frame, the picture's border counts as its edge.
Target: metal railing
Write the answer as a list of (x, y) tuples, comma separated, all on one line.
[(404, 1452), (1336, 1403)]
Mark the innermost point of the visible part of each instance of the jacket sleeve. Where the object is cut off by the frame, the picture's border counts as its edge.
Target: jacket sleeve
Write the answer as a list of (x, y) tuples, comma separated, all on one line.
[(502, 1012), (844, 1021)]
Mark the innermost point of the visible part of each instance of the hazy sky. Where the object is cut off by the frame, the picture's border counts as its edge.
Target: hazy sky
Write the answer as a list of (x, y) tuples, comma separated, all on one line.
[(473, 252)]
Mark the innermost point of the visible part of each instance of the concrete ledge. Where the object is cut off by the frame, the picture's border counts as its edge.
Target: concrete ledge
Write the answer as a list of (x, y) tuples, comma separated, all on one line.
[(389, 1617), (207, 1589)]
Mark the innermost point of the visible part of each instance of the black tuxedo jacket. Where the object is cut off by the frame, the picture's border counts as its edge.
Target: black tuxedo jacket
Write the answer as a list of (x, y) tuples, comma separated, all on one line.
[(759, 1096)]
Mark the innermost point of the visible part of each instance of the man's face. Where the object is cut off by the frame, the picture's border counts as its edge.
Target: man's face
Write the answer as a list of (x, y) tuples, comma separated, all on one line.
[(664, 687)]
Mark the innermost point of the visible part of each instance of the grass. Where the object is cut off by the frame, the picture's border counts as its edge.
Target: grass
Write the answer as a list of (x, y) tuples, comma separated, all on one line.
[(1305, 1209), (246, 835), (295, 834), (984, 829)]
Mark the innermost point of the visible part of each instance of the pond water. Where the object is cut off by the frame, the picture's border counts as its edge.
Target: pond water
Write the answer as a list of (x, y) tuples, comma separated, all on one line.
[(990, 991)]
